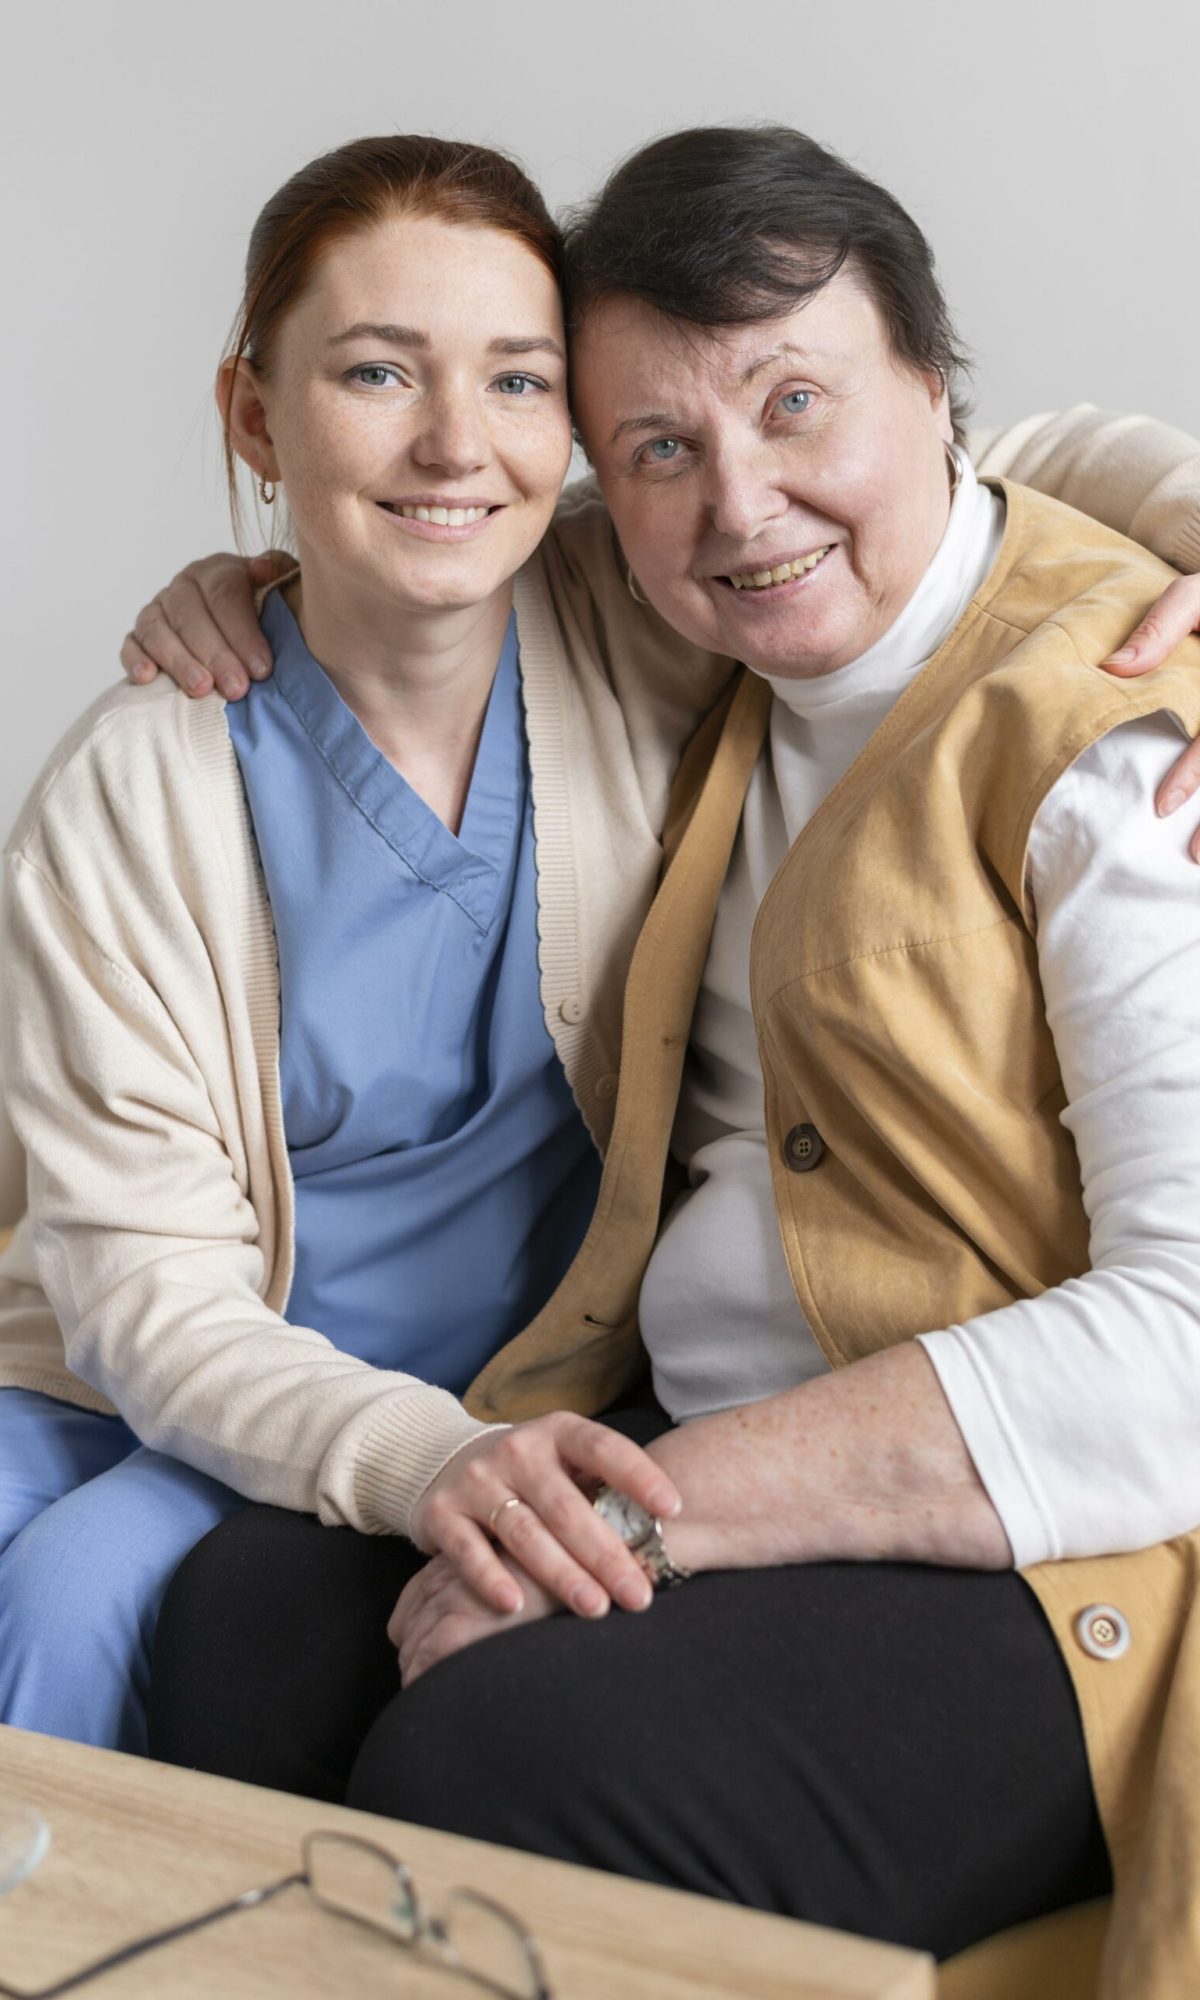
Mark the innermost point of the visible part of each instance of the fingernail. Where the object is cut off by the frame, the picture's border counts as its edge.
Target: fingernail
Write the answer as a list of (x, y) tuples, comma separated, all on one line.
[(511, 1601), (260, 665), (196, 680), (233, 687), (634, 1593), (588, 1601), (667, 1505), (1170, 802), (1122, 659)]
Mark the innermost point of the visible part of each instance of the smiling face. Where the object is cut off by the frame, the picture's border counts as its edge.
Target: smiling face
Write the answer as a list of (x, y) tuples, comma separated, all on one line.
[(414, 409), (780, 487)]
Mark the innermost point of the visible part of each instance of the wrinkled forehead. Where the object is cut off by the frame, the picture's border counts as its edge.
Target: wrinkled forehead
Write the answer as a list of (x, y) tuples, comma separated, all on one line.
[(625, 351)]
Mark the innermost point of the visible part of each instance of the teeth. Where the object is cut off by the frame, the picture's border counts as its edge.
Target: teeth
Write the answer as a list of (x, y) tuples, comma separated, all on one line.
[(759, 579), (444, 517)]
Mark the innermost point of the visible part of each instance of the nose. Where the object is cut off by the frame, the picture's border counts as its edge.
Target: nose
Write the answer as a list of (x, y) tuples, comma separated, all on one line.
[(452, 436), (743, 491)]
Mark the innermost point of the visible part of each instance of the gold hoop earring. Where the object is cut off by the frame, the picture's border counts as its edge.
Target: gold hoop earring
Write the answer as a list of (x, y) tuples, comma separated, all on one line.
[(954, 461), (634, 592), (266, 490)]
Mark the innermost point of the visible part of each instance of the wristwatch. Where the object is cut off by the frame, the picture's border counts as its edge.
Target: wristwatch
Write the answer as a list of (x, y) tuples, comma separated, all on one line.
[(642, 1536)]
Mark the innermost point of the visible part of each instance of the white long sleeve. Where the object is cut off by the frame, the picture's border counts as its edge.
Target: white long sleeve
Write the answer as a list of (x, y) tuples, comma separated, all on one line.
[(1079, 1407)]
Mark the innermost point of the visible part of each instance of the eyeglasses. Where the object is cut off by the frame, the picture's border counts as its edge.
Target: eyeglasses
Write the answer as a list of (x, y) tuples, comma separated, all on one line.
[(475, 1937)]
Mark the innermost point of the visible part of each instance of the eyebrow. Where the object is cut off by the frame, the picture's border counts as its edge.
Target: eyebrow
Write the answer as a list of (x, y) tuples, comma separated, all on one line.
[(786, 352), (656, 421), (533, 343), (394, 336), (413, 336)]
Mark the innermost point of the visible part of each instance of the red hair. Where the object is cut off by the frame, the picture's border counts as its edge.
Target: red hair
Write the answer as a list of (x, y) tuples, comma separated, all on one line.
[(358, 186)]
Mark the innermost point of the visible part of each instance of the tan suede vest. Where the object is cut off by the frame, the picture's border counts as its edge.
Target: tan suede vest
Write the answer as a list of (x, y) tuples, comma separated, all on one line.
[(896, 994)]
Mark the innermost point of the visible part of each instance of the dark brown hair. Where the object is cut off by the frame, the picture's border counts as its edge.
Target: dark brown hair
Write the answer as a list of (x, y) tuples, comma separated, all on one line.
[(354, 188), (722, 225)]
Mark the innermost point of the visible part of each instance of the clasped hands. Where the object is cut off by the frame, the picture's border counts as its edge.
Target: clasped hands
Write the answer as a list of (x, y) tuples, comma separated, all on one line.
[(863, 1464), (512, 1536)]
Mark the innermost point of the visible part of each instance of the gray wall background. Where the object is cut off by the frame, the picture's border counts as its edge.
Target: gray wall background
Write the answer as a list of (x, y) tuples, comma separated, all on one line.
[(1048, 147)]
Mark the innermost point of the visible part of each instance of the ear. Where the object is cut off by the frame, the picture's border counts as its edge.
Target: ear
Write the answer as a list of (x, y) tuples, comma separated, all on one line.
[(939, 399), (244, 415)]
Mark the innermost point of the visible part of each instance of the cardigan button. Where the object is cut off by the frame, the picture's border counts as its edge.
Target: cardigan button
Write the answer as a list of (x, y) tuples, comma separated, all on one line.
[(571, 1010), (803, 1149), (1103, 1631), (606, 1085)]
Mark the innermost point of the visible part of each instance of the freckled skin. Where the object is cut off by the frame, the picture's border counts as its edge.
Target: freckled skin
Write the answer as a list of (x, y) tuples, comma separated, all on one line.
[(832, 442), (440, 419)]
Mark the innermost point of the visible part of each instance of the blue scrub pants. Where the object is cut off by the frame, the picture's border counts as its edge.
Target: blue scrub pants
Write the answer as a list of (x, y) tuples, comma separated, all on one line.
[(92, 1528)]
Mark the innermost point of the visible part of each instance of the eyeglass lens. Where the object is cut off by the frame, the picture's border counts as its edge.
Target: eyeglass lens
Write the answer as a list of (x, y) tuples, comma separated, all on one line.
[(24, 1840)]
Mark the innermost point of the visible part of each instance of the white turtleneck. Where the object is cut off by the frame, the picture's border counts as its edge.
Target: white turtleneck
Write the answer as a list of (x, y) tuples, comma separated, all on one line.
[(1075, 1406)]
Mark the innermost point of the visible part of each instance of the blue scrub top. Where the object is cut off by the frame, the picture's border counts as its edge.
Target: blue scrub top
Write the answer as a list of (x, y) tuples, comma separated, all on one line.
[(444, 1175)]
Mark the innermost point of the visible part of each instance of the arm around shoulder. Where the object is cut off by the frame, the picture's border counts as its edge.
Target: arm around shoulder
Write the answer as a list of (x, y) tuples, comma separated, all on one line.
[(1135, 474)]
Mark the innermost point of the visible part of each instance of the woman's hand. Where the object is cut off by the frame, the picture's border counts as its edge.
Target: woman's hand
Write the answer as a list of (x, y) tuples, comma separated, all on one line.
[(521, 1488), (203, 629), (1176, 614), (438, 1614)]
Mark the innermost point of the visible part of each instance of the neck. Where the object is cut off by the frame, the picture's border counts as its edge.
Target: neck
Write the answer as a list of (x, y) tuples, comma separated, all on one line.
[(418, 681)]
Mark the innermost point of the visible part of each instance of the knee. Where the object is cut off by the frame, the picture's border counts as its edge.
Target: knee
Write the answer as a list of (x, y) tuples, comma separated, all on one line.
[(430, 1756), (271, 1657), (496, 1728), (57, 1598), (72, 1646), (209, 1653)]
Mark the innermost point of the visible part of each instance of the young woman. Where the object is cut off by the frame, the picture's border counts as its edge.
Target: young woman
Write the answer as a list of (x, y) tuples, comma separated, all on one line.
[(313, 1008), (278, 1246)]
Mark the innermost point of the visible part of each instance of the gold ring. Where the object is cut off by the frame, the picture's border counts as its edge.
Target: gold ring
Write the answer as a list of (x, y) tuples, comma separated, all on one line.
[(499, 1508)]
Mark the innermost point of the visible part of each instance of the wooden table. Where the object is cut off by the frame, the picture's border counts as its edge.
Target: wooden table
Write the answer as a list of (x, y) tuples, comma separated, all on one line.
[(137, 1845)]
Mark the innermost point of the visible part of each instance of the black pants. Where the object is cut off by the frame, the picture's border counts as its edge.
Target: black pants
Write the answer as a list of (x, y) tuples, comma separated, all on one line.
[(888, 1748)]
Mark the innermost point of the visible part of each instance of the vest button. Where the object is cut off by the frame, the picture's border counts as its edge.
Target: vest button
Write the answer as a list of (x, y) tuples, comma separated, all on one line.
[(1103, 1631), (803, 1149)]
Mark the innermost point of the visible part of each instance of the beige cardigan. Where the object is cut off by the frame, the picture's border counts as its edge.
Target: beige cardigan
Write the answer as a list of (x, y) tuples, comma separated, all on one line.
[(140, 1022)]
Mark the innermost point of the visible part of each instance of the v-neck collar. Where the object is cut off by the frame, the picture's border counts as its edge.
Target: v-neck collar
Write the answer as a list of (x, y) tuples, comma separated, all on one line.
[(468, 867)]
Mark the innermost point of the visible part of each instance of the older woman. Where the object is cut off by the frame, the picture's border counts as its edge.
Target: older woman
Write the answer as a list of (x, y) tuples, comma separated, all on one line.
[(925, 1313)]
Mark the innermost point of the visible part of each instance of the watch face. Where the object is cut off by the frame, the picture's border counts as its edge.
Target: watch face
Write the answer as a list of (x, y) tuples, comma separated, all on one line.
[(625, 1515)]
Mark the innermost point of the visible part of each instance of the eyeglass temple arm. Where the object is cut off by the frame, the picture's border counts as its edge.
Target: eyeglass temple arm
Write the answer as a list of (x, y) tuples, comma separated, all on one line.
[(249, 1900)]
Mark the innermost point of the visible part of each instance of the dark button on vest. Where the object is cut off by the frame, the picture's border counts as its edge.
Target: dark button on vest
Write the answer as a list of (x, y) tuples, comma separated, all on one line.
[(803, 1149)]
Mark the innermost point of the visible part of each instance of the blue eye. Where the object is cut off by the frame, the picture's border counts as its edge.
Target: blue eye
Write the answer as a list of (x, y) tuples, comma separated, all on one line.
[(662, 450), (518, 385), (373, 375), (796, 401)]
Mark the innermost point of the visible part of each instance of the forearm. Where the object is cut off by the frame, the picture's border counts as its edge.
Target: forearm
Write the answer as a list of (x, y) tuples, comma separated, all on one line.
[(1133, 473), (148, 1248), (202, 1369), (863, 1465)]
